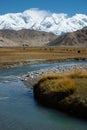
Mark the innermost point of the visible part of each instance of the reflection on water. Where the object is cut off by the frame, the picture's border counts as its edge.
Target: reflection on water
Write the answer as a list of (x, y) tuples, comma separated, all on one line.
[(19, 111)]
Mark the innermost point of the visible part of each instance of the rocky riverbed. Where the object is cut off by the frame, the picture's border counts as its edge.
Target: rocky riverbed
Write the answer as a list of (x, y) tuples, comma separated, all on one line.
[(31, 77), (75, 104)]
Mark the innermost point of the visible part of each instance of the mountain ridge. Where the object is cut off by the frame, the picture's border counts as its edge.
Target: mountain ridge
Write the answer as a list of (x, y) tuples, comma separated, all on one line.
[(24, 38), (41, 20), (77, 38)]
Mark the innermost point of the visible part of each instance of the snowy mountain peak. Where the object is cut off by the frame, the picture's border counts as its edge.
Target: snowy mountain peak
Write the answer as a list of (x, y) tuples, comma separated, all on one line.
[(43, 21)]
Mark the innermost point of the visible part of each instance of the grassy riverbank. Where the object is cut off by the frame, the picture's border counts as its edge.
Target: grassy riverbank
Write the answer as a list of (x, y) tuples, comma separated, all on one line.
[(19, 56), (66, 91)]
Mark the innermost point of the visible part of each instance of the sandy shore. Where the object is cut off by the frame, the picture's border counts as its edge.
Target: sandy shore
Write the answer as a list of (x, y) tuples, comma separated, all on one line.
[(31, 77)]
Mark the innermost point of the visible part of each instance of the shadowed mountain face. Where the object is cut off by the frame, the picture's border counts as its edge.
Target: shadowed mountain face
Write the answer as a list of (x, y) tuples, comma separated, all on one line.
[(25, 37), (32, 38), (77, 38)]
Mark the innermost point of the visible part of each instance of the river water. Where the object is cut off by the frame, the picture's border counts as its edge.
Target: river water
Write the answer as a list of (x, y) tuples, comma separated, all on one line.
[(19, 110)]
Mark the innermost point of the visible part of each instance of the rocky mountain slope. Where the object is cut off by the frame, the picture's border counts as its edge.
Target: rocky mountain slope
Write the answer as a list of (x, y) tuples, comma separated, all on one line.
[(43, 21), (25, 37), (77, 38)]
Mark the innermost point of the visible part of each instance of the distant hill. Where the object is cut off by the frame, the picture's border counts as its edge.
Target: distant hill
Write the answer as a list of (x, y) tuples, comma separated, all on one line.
[(32, 38), (25, 37), (77, 38)]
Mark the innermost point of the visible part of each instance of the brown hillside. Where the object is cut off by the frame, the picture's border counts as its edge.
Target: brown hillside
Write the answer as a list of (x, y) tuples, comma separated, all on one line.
[(25, 37), (77, 38)]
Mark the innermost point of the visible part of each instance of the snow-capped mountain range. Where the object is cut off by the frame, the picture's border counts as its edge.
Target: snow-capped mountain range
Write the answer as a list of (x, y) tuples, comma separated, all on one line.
[(43, 21)]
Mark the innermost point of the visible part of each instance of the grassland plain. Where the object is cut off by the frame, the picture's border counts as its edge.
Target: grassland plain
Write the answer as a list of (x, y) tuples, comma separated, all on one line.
[(23, 55), (66, 92)]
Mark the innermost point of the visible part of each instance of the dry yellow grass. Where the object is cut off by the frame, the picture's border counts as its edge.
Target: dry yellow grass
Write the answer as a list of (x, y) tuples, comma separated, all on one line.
[(65, 82), (57, 83), (78, 74), (17, 55), (66, 92)]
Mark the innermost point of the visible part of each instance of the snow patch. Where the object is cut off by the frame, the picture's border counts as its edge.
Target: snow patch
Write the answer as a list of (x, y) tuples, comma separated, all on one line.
[(42, 20)]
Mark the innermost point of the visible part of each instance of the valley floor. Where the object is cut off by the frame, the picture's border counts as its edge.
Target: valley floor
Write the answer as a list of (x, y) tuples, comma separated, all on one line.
[(10, 57)]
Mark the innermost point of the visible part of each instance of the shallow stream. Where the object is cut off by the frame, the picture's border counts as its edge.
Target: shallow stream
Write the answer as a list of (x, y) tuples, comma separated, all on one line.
[(19, 110)]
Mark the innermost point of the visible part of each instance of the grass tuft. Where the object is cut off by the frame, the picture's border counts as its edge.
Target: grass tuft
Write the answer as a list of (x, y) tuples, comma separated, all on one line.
[(78, 74), (69, 82), (56, 83), (66, 91)]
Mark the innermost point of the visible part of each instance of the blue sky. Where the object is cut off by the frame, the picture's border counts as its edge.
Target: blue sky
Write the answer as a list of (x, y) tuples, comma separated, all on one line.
[(70, 7)]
